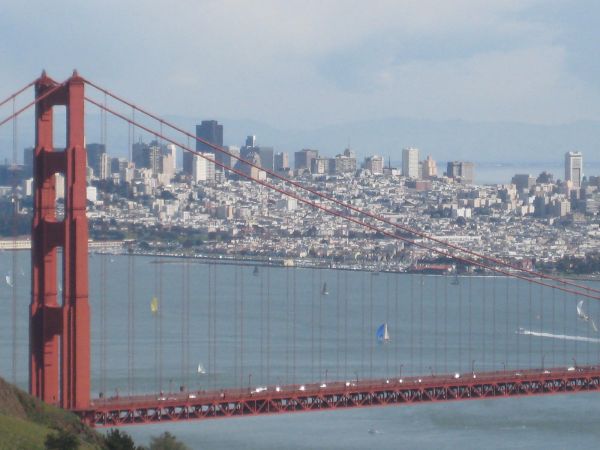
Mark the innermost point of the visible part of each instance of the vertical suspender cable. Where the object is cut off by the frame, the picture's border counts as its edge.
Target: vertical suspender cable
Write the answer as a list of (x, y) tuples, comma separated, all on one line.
[(235, 322), (337, 322), (160, 324), (320, 326), (14, 278), (131, 322), (363, 340), (287, 325), (530, 312), (215, 310), (345, 324), (435, 323), (293, 325), (371, 327), (493, 322), (507, 315), (210, 322), (387, 318), (483, 327), (445, 325), (268, 324), (397, 325), (517, 303), (312, 324), (460, 323), (262, 324), (242, 337), (421, 322), (412, 322), (470, 339)]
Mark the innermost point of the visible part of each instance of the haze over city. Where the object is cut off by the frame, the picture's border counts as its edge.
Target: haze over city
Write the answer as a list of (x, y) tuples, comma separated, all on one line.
[(464, 79)]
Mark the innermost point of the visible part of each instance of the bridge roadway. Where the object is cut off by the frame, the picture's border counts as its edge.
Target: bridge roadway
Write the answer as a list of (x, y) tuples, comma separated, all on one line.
[(272, 399)]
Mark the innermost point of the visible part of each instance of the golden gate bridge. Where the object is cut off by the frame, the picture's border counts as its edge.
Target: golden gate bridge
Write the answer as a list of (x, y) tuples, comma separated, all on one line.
[(60, 320)]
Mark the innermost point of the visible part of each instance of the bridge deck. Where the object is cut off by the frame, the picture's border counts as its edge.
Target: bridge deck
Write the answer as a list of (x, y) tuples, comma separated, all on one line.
[(347, 394)]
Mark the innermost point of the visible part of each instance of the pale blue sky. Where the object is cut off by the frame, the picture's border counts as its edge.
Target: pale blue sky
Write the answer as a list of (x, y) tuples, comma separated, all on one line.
[(309, 63)]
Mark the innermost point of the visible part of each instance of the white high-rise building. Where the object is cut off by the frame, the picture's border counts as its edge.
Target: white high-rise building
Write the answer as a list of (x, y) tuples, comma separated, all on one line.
[(203, 169), (574, 168), (410, 162)]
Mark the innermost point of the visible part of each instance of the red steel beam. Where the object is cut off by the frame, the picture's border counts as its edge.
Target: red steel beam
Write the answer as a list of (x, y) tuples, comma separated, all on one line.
[(338, 395)]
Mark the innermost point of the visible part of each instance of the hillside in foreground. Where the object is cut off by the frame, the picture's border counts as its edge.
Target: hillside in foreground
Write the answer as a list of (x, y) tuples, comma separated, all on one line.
[(25, 422)]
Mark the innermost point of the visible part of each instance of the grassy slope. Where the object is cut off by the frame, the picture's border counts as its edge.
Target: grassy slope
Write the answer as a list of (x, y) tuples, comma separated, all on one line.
[(25, 422)]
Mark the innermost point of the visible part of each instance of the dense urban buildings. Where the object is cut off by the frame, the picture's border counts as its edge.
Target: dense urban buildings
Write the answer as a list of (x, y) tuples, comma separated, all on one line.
[(150, 193)]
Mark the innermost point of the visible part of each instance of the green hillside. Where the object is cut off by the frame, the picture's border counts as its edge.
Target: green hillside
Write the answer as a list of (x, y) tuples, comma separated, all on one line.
[(25, 422)]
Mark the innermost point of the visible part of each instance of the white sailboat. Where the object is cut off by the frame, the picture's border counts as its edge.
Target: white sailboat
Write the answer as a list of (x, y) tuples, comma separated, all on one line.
[(382, 334), (201, 370)]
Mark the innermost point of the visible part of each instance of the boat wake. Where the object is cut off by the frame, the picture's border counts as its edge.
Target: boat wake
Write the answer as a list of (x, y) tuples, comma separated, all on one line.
[(563, 337)]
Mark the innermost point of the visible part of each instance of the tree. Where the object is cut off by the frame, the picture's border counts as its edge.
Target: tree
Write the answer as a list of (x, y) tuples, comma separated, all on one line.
[(166, 441), (119, 440), (61, 440)]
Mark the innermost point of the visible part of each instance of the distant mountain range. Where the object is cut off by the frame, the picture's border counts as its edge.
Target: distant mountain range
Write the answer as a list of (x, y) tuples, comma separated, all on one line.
[(484, 142)]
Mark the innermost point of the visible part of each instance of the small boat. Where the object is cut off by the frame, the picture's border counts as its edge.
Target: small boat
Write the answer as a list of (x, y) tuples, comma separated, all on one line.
[(324, 290), (382, 334), (455, 281), (201, 370), (154, 305), (8, 280), (255, 271), (581, 314)]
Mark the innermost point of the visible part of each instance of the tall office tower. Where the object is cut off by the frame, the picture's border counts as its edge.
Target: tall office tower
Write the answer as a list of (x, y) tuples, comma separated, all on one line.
[(466, 172), (320, 166), (374, 164), (94, 157), (410, 162), (153, 157), (203, 169), (429, 168), (345, 163), (138, 152), (574, 168), (462, 171), (118, 164), (281, 161), (104, 167), (171, 150), (303, 158), (266, 157), (28, 161), (250, 141), (212, 132)]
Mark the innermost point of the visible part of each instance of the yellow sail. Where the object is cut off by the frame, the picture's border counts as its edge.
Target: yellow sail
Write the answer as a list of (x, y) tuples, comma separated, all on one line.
[(154, 305)]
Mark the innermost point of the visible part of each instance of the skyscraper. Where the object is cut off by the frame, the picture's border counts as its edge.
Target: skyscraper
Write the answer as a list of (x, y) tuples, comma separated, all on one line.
[(94, 157), (410, 162), (281, 161), (303, 158), (374, 164), (461, 171), (574, 168), (429, 168), (212, 132)]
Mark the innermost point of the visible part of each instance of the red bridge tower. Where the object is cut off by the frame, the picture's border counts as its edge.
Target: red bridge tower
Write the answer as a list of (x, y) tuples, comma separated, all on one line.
[(59, 344)]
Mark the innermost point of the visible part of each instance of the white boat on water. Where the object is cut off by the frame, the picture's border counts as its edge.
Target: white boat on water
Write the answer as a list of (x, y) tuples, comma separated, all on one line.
[(201, 370), (382, 334)]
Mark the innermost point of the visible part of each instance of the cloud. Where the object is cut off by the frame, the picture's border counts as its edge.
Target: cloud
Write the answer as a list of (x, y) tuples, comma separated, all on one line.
[(305, 63)]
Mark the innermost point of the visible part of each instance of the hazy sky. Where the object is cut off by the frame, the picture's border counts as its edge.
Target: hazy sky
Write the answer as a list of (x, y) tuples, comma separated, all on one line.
[(305, 63)]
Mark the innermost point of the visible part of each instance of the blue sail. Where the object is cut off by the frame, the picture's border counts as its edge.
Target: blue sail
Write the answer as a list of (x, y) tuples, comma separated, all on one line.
[(380, 333)]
